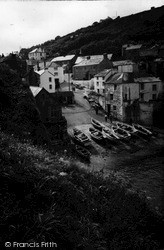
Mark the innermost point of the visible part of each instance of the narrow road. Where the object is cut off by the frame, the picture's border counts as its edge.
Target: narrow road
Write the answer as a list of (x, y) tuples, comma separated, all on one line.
[(81, 112)]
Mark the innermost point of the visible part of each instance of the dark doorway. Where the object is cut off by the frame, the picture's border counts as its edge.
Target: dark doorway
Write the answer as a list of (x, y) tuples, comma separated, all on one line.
[(108, 109)]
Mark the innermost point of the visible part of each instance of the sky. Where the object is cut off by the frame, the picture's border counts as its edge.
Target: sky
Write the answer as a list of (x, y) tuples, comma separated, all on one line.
[(24, 24)]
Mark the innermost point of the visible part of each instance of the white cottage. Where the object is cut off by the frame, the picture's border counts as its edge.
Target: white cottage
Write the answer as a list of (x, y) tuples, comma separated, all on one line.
[(48, 80)]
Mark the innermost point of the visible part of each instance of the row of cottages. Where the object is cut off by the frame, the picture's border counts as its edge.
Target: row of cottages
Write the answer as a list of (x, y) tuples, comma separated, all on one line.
[(54, 77), (149, 58), (128, 98), (57, 72), (50, 112), (87, 67)]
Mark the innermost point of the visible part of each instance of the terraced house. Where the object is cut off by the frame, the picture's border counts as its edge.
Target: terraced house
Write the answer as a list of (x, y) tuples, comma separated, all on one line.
[(121, 95), (150, 91), (50, 112), (49, 79), (89, 66), (132, 99)]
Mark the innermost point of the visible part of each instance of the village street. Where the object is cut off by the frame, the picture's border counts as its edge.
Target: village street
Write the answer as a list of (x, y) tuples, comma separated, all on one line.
[(138, 161)]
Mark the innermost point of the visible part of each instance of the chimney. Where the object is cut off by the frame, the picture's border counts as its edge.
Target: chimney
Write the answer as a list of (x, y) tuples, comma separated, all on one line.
[(105, 56), (44, 64), (38, 68)]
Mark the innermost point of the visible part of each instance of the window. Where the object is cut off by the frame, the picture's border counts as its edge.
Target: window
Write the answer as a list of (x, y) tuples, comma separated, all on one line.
[(57, 84), (142, 97), (50, 79), (115, 87), (154, 97), (98, 90), (97, 83), (154, 87), (126, 96), (111, 97), (103, 90), (50, 86), (114, 107), (142, 86)]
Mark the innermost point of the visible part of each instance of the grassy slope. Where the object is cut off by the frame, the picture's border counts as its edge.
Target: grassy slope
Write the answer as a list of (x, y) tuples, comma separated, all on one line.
[(76, 211), (108, 35)]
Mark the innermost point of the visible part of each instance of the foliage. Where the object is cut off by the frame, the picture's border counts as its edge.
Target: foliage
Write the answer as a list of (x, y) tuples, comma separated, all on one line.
[(108, 35), (43, 199), (19, 114)]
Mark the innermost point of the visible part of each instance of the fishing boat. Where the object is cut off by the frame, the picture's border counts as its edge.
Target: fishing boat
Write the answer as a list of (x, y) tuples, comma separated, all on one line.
[(130, 129), (96, 124), (96, 135), (83, 152), (121, 133), (109, 134), (80, 137), (142, 131)]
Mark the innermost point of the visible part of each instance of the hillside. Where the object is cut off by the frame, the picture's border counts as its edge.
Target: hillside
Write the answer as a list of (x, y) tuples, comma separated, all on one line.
[(108, 35), (44, 200), (18, 112)]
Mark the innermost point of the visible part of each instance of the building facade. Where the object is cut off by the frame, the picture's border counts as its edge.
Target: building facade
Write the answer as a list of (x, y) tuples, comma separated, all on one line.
[(51, 113), (49, 80), (90, 66), (99, 80), (149, 88), (37, 54), (121, 95)]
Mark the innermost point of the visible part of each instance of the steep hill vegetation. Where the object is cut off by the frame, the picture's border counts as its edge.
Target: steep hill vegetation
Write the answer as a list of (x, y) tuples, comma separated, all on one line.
[(43, 200), (109, 35), (18, 112)]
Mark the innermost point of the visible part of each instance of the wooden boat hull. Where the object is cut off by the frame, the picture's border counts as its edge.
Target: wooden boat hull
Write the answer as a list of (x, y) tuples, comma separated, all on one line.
[(122, 134), (130, 129), (80, 138), (82, 152), (97, 124), (96, 135), (110, 135), (143, 132)]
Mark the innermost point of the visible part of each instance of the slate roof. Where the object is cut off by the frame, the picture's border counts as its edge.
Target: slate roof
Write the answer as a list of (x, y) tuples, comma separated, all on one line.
[(148, 79), (103, 73), (79, 59), (34, 50), (124, 62), (40, 72), (62, 58), (131, 47), (35, 90), (119, 78), (92, 60)]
